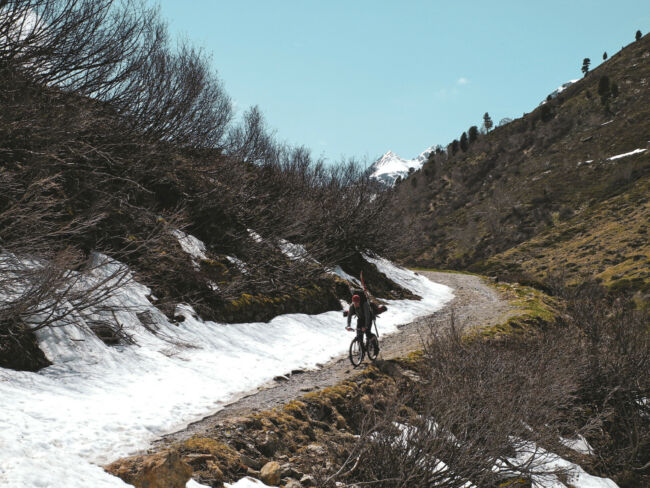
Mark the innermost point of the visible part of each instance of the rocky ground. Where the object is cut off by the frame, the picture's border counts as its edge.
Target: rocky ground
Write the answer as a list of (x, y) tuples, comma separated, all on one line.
[(285, 427)]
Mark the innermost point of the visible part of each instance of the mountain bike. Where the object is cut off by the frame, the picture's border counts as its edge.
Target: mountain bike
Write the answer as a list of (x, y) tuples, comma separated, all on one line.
[(367, 346)]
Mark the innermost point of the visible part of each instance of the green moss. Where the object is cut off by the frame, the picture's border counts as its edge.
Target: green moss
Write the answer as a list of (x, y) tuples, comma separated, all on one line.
[(515, 483), (225, 454), (534, 309)]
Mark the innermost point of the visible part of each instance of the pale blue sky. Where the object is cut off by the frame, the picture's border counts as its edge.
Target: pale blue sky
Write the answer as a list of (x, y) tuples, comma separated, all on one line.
[(355, 78)]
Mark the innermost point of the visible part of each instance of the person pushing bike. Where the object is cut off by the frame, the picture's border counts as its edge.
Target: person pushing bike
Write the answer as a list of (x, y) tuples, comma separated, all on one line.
[(364, 317)]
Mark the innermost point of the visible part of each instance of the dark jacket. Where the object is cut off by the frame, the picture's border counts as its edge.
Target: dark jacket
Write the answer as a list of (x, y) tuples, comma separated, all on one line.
[(363, 313)]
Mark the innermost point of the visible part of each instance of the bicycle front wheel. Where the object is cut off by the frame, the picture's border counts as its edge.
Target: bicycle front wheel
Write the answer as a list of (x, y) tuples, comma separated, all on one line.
[(356, 352)]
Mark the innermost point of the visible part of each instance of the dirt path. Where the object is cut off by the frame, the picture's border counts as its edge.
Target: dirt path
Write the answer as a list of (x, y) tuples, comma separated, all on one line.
[(475, 304)]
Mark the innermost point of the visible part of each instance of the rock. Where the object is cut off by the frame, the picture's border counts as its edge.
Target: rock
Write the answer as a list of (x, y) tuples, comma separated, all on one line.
[(316, 449), (307, 480), (287, 471), (269, 445), (280, 378), (198, 458), (297, 371), (250, 462), (165, 469), (270, 473), (293, 484), (413, 376)]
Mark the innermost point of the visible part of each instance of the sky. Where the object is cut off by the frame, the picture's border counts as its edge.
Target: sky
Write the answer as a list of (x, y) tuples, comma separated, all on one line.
[(356, 78)]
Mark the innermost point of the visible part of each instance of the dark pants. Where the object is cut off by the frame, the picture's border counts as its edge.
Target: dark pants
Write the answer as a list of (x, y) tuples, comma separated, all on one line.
[(360, 333)]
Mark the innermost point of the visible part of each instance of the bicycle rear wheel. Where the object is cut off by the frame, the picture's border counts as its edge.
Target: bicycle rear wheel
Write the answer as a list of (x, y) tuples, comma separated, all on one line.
[(373, 347), (356, 352)]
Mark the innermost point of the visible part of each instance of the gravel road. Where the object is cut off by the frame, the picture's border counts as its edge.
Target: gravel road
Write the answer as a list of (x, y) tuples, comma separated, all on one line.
[(475, 304)]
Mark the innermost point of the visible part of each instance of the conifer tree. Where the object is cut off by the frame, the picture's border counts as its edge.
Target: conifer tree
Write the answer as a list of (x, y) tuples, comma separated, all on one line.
[(585, 66), (638, 35), (464, 144), (604, 89), (605, 56), (473, 134), (487, 122), (546, 113)]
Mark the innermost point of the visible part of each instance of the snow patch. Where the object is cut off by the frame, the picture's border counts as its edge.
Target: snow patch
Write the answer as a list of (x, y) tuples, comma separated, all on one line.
[(241, 265), (579, 445), (338, 271), (624, 155), (560, 89), (295, 252), (540, 462), (191, 245), (195, 484)]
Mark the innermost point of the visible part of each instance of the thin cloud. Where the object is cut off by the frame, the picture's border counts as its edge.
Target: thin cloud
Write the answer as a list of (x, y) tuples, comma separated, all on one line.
[(462, 81)]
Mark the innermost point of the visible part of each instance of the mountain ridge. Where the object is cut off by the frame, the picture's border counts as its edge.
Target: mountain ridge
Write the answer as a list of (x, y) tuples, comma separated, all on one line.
[(515, 199)]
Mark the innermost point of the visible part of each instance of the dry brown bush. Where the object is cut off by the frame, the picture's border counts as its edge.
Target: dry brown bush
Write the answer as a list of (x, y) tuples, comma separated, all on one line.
[(480, 402)]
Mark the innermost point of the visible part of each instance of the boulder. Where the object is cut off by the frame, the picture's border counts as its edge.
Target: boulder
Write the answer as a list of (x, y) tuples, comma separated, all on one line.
[(271, 473), (250, 462), (165, 469), (307, 480), (293, 484)]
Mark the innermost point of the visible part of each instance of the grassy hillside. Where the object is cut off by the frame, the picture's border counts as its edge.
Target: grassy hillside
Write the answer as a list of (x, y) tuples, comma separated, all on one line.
[(540, 194)]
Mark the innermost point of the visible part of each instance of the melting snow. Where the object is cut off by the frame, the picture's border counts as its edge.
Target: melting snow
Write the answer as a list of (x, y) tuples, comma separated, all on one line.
[(97, 403), (624, 155), (338, 271), (295, 252), (243, 483), (579, 445), (191, 245), (539, 461)]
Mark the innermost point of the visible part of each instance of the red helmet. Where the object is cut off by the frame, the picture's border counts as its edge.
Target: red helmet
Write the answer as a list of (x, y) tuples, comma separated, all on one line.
[(356, 299)]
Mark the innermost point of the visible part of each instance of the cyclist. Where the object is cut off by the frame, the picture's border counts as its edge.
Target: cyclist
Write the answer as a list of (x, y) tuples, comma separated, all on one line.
[(364, 317)]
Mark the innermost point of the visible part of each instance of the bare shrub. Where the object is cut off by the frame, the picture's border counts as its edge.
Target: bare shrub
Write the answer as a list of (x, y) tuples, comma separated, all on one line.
[(488, 411), (616, 386)]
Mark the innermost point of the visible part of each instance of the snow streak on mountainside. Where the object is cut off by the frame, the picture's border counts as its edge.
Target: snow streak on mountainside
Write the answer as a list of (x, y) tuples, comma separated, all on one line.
[(391, 166), (559, 90)]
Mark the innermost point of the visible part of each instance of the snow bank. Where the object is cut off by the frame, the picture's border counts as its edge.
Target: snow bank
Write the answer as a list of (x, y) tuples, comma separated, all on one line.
[(97, 403)]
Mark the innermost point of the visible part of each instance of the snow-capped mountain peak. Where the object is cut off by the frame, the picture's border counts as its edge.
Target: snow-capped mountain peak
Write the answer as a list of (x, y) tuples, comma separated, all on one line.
[(391, 166)]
